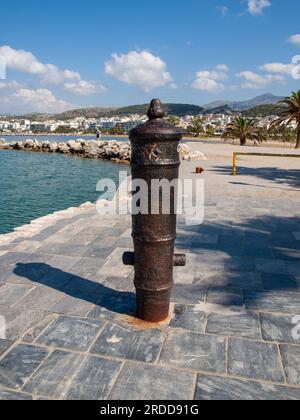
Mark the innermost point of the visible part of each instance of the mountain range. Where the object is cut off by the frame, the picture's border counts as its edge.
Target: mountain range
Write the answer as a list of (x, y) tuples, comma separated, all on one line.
[(266, 99), (181, 110)]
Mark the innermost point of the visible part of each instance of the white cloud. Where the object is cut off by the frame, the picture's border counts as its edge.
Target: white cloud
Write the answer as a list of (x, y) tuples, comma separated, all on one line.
[(257, 81), (256, 7), (210, 80), (25, 61), (279, 68), (28, 100), (84, 88), (139, 68), (10, 85), (222, 9), (295, 39)]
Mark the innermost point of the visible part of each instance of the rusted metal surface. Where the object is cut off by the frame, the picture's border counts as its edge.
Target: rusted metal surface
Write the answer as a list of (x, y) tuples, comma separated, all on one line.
[(129, 259), (155, 156)]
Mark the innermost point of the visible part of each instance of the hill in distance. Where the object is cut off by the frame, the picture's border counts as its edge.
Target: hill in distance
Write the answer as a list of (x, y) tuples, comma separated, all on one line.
[(266, 99), (180, 110), (171, 109)]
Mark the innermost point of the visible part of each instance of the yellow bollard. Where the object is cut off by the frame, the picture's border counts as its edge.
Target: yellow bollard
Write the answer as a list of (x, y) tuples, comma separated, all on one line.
[(234, 164)]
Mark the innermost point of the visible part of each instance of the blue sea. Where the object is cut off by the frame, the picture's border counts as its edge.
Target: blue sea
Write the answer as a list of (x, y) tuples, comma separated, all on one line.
[(33, 185)]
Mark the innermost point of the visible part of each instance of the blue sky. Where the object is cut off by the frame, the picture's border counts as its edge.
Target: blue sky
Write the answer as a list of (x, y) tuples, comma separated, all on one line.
[(65, 54)]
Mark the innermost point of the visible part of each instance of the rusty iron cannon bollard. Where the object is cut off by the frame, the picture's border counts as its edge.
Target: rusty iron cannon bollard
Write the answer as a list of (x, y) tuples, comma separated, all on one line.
[(155, 156)]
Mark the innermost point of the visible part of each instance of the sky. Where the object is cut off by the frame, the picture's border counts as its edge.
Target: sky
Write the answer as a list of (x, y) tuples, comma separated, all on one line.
[(58, 55)]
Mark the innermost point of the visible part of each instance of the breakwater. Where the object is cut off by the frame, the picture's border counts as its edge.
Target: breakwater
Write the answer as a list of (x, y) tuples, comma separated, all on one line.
[(117, 151), (109, 150)]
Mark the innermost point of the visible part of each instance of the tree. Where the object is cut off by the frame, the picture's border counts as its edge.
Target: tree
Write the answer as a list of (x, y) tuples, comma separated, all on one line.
[(260, 135), (171, 119), (291, 113), (242, 129), (64, 130), (197, 126), (210, 131)]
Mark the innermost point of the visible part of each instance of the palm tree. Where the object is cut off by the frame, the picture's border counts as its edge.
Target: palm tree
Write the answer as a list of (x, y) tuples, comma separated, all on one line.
[(243, 129), (290, 113)]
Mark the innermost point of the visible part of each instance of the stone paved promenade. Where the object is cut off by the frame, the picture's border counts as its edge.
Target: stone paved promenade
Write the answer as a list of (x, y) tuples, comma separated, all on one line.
[(68, 301)]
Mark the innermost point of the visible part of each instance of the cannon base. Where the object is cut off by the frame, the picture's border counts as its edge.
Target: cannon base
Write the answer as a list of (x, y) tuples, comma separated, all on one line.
[(153, 306)]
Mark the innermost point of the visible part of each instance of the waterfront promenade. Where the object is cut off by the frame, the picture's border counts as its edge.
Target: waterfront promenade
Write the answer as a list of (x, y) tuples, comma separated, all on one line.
[(69, 302)]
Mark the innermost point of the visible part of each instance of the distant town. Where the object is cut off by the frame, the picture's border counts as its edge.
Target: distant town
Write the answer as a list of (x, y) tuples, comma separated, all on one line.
[(210, 120)]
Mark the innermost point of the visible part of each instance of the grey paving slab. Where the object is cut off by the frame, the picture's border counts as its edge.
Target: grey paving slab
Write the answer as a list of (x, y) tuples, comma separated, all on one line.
[(215, 388), (117, 301), (71, 333), (19, 364), (279, 282), (148, 383), (194, 351), (62, 262), (126, 342), (287, 254), (87, 267), (19, 321), (13, 396), (273, 301), (12, 293), (33, 267), (189, 318), (244, 280), (41, 298), (68, 250), (71, 306), (119, 283), (98, 251), (188, 294), (71, 376), (10, 259), (293, 268), (290, 357), (113, 261), (83, 289), (49, 231), (270, 266), (211, 279), (240, 264), (280, 328), (239, 325), (98, 312), (32, 333), (255, 360), (186, 275), (225, 297), (5, 345), (55, 279)]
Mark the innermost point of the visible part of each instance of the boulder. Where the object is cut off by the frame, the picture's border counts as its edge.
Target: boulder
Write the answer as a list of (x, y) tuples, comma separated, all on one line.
[(63, 148), (196, 156), (29, 144), (45, 145), (75, 146), (19, 145), (184, 150), (53, 147)]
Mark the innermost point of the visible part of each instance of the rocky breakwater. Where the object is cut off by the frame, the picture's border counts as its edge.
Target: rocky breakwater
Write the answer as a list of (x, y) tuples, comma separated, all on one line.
[(117, 151), (111, 150)]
